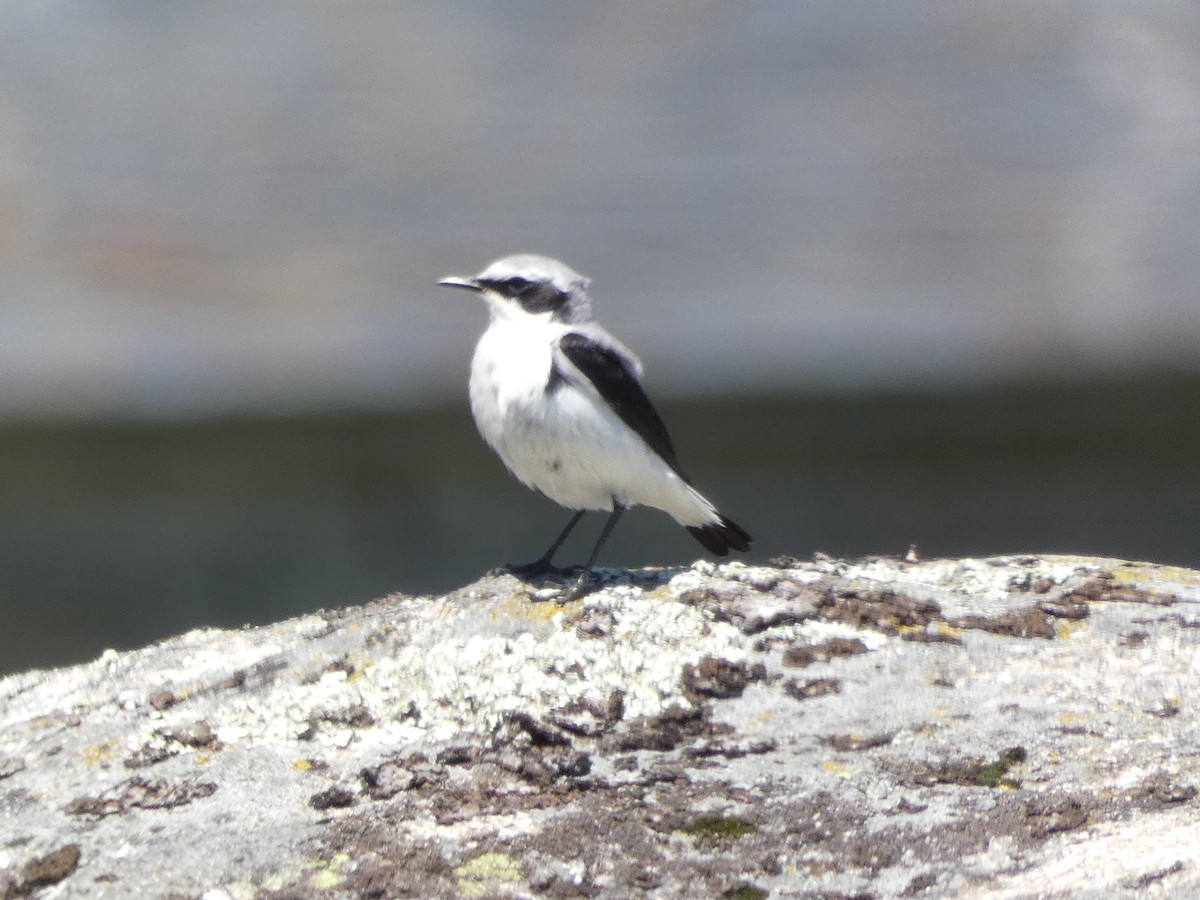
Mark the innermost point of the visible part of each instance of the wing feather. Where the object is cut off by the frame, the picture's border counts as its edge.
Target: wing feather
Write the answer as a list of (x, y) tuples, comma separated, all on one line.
[(616, 379)]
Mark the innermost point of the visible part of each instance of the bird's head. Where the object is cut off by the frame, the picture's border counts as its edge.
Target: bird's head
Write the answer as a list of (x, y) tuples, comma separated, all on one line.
[(534, 285)]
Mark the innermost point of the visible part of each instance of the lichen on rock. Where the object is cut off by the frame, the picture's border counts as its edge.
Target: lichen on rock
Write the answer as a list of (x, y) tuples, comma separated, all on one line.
[(881, 726)]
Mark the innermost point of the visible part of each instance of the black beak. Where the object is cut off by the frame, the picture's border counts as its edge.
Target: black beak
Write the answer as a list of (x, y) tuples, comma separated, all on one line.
[(455, 281)]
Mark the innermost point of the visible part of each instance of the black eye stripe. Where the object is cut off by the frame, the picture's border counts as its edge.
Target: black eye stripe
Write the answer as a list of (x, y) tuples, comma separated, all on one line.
[(534, 296), (509, 287)]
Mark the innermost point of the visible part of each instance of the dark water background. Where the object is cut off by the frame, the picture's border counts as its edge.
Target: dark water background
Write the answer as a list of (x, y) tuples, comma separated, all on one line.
[(115, 534)]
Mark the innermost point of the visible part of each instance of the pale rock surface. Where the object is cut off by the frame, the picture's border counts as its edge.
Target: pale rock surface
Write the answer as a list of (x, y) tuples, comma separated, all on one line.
[(999, 728)]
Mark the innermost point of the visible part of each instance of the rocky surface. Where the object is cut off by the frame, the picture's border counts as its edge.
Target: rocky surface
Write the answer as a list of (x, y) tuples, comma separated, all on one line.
[(1011, 727)]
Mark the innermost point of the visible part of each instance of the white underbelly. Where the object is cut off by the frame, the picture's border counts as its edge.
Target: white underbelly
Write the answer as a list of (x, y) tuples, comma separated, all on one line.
[(571, 447)]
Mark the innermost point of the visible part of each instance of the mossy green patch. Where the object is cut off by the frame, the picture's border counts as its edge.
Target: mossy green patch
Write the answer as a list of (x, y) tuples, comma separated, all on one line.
[(475, 875), (718, 828), (993, 774), (746, 892), (328, 873)]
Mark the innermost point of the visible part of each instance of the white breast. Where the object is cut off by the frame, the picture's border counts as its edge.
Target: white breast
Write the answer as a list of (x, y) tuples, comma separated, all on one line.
[(508, 374), (566, 443)]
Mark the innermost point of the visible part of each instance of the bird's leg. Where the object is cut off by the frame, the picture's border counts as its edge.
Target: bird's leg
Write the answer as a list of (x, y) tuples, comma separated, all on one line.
[(541, 565), (577, 589)]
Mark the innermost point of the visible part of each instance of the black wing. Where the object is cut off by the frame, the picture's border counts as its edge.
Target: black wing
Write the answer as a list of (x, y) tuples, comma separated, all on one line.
[(618, 384)]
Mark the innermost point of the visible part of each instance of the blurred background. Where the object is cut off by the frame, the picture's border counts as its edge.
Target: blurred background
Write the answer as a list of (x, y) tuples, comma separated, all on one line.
[(899, 273)]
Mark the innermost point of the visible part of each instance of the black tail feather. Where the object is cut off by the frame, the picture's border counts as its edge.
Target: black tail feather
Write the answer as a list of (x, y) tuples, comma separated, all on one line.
[(721, 537)]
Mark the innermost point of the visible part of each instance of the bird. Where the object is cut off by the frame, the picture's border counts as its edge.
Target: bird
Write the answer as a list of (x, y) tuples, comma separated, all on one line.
[(561, 402)]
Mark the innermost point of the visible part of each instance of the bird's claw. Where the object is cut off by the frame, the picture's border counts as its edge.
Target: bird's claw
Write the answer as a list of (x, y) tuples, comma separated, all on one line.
[(578, 589), (527, 571)]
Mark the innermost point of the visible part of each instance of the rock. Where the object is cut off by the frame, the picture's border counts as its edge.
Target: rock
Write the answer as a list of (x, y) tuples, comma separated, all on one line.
[(1000, 728)]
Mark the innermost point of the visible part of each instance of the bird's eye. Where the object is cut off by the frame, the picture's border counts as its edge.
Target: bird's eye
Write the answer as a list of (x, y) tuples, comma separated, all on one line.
[(532, 296)]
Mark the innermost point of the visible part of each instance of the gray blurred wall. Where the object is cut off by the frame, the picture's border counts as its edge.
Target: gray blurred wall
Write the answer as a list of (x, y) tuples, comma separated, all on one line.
[(215, 206)]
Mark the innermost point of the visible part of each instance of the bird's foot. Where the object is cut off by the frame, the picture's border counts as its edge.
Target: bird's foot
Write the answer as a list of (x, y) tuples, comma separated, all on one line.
[(527, 571), (578, 578), (581, 586)]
